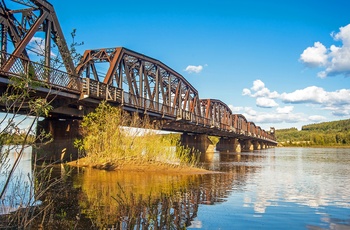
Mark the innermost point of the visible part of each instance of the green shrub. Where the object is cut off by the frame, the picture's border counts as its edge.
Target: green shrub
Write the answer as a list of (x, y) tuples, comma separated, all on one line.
[(108, 138)]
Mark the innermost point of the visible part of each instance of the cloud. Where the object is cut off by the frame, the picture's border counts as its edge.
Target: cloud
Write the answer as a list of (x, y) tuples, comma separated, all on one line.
[(257, 85), (336, 102), (282, 115), (234, 109), (341, 113), (246, 92), (265, 102), (316, 118), (317, 95), (285, 110), (38, 47), (315, 56), (260, 90), (194, 69), (263, 117), (335, 60)]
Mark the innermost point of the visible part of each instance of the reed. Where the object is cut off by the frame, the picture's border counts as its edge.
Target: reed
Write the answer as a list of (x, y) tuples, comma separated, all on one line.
[(108, 139)]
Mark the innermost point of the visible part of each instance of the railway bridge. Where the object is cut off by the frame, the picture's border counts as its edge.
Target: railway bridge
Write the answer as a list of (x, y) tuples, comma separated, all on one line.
[(132, 81)]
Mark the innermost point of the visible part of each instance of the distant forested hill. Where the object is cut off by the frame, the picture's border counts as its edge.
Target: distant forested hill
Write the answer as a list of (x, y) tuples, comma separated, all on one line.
[(334, 133)]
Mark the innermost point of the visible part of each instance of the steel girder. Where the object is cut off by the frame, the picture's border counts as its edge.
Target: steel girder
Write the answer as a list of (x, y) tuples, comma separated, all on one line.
[(217, 112), (144, 80), (240, 123), (220, 116), (19, 26)]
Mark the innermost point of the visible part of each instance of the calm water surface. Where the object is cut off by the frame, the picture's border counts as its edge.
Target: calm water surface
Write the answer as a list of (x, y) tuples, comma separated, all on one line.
[(292, 188)]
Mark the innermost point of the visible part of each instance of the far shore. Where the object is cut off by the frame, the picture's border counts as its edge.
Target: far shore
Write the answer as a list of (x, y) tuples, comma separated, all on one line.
[(316, 146)]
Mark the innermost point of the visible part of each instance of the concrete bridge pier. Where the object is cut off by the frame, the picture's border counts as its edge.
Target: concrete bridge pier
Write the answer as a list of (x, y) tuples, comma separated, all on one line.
[(229, 145), (199, 142), (63, 132), (257, 145), (247, 145)]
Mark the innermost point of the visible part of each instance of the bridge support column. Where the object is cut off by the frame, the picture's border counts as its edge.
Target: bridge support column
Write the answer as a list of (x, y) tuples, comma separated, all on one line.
[(257, 145), (263, 145), (199, 142), (229, 145), (63, 132), (247, 145)]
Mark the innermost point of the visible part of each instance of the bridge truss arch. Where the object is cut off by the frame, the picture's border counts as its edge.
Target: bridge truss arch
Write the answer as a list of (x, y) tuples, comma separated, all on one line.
[(147, 84), (217, 112)]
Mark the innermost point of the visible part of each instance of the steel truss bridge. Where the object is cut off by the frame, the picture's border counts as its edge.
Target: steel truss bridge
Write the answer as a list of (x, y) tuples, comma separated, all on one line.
[(135, 82)]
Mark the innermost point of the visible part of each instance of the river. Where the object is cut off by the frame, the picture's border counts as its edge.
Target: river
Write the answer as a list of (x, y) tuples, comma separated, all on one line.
[(293, 188)]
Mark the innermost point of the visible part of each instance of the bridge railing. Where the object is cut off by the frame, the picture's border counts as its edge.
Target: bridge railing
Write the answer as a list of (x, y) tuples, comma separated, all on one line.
[(147, 105), (36, 71), (94, 89)]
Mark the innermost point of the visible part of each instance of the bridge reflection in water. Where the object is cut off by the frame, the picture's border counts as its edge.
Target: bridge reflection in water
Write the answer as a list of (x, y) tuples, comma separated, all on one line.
[(133, 81)]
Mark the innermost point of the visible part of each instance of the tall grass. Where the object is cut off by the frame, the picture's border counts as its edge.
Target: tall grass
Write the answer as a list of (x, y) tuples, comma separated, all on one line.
[(108, 138)]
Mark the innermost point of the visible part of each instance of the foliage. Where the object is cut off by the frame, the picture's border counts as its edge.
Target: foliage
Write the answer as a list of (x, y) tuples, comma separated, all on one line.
[(56, 61), (214, 140), (333, 126), (21, 108), (21, 112), (335, 133), (107, 140)]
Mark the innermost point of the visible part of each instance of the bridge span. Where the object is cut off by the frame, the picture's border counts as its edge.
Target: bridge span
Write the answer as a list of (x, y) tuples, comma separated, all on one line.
[(133, 81)]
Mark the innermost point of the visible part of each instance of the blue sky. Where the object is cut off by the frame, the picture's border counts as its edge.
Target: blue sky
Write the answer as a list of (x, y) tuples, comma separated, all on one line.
[(281, 65)]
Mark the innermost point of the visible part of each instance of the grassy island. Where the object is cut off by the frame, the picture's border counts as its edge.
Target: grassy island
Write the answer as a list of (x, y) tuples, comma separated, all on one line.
[(109, 143)]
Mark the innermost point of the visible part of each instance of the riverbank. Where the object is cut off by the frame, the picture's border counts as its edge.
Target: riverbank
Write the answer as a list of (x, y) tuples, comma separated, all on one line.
[(157, 167), (314, 146)]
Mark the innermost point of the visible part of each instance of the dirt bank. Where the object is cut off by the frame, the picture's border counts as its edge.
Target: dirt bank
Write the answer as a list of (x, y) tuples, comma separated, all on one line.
[(157, 167)]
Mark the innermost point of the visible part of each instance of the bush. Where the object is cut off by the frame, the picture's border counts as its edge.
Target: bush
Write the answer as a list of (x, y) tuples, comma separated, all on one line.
[(108, 138)]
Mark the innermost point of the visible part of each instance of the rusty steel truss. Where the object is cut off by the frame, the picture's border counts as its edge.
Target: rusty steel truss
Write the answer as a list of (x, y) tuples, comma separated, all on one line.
[(129, 79), (146, 82), (19, 27)]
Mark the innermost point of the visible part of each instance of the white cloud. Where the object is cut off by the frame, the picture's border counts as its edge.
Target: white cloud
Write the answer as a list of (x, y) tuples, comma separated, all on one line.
[(265, 92), (282, 115), (37, 46), (317, 118), (260, 90), (285, 109), (335, 60), (314, 56), (194, 69), (257, 85), (336, 102), (317, 95), (234, 109), (276, 118), (310, 94), (246, 92), (341, 112), (265, 102)]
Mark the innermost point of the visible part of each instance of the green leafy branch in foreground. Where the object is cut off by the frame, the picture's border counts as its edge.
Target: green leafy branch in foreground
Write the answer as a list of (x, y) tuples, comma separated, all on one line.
[(108, 138)]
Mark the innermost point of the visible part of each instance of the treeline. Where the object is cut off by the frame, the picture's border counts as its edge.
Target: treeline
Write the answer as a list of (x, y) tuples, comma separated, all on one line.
[(15, 139), (334, 133)]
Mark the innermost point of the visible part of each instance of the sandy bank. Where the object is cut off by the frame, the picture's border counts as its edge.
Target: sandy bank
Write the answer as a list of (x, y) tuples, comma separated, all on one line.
[(157, 167)]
